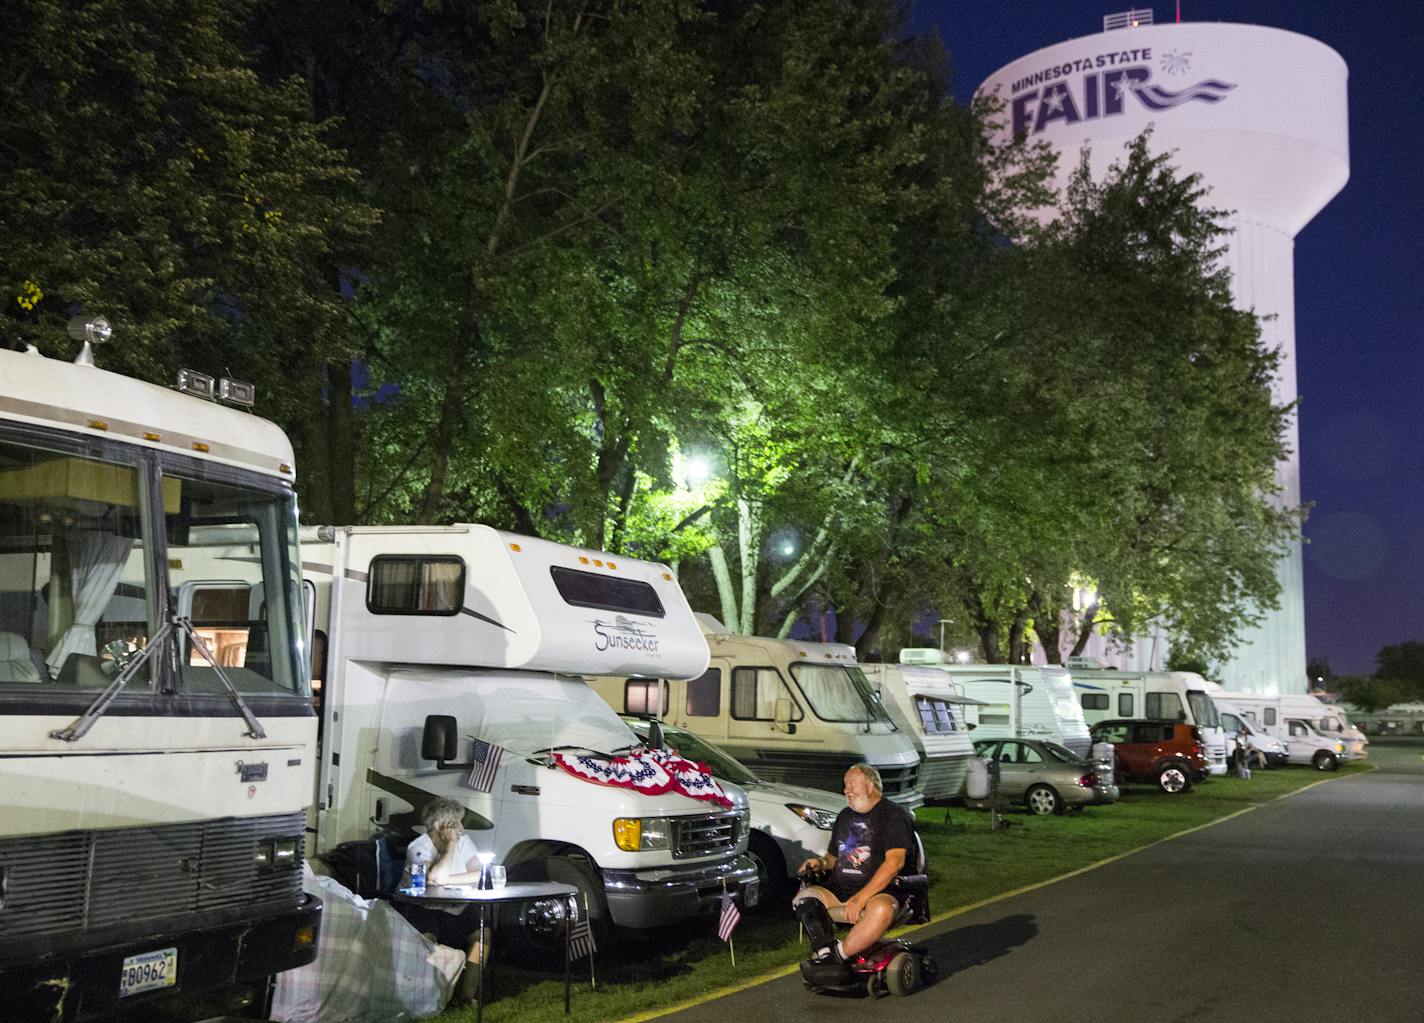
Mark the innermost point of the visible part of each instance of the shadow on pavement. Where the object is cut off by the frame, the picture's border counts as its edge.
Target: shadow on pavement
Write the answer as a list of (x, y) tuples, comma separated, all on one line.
[(983, 943)]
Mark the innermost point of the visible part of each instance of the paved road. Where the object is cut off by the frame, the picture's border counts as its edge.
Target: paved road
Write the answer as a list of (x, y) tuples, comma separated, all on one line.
[(1307, 909)]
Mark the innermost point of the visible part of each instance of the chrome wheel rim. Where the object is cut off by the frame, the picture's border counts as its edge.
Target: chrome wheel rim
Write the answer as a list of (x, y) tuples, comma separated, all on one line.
[(1173, 780), (1041, 801)]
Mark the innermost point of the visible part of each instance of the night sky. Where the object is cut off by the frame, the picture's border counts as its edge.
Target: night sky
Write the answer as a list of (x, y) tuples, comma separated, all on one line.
[(1359, 301)]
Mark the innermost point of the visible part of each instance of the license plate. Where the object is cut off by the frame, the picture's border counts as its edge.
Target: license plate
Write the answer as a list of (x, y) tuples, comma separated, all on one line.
[(149, 971)]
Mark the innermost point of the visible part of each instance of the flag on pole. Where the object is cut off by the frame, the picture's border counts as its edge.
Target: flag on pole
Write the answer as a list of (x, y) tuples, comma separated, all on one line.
[(581, 942), (485, 762), (731, 916)]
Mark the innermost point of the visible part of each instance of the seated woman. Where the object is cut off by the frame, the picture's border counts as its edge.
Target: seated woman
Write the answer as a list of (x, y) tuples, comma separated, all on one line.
[(450, 857), (871, 842)]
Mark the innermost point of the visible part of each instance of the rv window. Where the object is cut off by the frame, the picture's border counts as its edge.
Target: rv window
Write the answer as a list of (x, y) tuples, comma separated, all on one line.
[(588, 589), (994, 714), (1270, 713), (704, 695), (1094, 701), (408, 585), (935, 715), (1329, 725), (1165, 707), (645, 696), (1124, 705), (755, 692), (1231, 723)]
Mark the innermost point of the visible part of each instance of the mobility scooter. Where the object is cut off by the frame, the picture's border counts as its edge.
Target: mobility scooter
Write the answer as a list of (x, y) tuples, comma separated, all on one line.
[(890, 966)]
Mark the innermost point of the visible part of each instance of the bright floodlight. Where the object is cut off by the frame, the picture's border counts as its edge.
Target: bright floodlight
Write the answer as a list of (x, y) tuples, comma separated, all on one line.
[(962, 656), (696, 469)]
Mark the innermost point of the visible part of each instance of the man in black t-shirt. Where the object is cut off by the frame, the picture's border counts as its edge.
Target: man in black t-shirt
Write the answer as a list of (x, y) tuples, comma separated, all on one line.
[(871, 843)]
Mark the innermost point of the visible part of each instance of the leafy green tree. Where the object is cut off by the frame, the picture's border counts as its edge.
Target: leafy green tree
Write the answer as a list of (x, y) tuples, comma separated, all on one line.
[(1372, 694), (154, 177)]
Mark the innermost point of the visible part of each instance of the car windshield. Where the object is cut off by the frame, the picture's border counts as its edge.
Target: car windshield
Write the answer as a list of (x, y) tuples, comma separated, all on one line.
[(697, 750), (1062, 753), (1203, 709)]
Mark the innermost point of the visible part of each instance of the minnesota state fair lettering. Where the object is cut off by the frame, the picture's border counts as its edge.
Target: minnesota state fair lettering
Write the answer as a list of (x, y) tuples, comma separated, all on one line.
[(1099, 86)]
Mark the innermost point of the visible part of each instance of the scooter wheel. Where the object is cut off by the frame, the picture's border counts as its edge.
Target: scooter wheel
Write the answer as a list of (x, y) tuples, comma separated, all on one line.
[(903, 974), (873, 987)]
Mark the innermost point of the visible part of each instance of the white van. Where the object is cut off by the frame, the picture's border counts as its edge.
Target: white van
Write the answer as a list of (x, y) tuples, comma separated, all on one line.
[(1328, 719), (1181, 696), (1265, 746), (1012, 700), (453, 667), (793, 712), (1307, 743), (924, 703)]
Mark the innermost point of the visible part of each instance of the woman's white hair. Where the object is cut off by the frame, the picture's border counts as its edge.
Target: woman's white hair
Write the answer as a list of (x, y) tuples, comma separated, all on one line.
[(439, 813)]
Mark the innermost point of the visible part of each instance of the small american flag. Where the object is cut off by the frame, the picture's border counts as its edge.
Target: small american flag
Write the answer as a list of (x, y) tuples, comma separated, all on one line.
[(486, 762), (580, 937), (731, 916)]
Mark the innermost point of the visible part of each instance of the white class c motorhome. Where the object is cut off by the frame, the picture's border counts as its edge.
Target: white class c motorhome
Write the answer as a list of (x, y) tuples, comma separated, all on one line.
[(1298, 728), (1180, 696), (793, 712), (926, 706), (440, 639), (152, 807), (1012, 700)]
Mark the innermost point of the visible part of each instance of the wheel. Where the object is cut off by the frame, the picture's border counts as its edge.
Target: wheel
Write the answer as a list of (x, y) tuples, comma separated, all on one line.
[(539, 925), (873, 987), (903, 974), (1042, 800), (929, 970), (771, 871), (1173, 779), (1324, 761)]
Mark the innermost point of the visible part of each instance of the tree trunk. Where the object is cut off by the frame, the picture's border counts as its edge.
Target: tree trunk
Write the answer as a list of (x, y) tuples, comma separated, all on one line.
[(341, 442)]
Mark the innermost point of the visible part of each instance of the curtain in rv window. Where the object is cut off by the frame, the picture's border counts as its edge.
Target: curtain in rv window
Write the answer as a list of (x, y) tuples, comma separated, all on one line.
[(606, 592), (415, 585), (704, 694), (1165, 707), (645, 696), (1094, 701), (755, 692)]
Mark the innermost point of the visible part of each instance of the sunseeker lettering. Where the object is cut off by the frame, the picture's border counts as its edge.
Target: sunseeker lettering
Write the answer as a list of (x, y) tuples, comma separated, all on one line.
[(623, 634)]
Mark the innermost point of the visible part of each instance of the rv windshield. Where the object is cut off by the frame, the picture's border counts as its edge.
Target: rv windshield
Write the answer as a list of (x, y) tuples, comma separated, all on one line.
[(840, 693), (525, 714), (1203, 709)]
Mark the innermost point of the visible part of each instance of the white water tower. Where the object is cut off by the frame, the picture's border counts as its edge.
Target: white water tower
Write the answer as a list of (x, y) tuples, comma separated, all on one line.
[(1260, 114)]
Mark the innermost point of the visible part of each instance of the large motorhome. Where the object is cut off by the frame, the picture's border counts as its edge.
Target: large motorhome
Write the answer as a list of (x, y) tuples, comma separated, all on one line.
[(1012, 700), (157, 766), (794, 712), (453, 668), (926, 706), (1180, 696), (1315, 732)]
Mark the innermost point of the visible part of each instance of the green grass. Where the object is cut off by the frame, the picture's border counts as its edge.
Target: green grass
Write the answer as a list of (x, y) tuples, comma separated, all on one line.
[(968, 863)]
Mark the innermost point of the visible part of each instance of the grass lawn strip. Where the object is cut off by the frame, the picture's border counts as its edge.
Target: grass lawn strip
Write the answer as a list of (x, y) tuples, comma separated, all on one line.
[(653, 974)]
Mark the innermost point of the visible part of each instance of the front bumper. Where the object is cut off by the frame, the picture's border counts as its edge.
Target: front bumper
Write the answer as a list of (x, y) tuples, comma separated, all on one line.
[(665, 895), (1277, 758), (83, 984)]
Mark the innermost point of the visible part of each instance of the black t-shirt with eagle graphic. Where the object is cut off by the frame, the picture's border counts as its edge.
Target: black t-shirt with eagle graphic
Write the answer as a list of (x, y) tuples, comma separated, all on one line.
[(859, 842)]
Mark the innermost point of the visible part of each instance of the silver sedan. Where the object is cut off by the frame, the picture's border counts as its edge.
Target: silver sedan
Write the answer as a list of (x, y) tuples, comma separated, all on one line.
[(1044, 776)]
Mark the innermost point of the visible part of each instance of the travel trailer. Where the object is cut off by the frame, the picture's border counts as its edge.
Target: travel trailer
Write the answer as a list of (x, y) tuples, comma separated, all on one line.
[(1012, 700), (793, 712), (453, 667), (926, 707), (1181, 696), (155, 780)]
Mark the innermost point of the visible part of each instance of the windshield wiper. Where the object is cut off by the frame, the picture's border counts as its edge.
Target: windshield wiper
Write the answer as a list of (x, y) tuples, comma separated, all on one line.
[(586, 749), (169, 629)]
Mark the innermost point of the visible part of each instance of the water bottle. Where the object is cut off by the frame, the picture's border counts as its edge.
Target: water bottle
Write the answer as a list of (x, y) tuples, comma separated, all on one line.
[(417, 878)]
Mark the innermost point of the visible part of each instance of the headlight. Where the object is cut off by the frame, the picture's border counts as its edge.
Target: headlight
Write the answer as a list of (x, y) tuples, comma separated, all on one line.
[(640, 834), (814, 816), (1339, 747)]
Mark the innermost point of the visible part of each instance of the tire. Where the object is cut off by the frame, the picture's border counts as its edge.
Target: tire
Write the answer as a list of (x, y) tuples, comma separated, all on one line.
[(771, 871), (1324, 760), (1173, 779), (1042, 800), (539, 926), (903, 974)]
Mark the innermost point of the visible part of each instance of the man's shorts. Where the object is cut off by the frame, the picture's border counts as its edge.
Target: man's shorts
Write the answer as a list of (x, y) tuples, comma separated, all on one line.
[(836, 910)]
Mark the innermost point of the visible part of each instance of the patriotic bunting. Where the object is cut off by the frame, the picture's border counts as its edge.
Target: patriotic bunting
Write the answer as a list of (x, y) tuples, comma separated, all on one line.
[(654, 771)]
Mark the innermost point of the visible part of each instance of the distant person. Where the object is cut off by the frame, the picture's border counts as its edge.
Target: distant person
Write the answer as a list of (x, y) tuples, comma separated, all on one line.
[(450, 857)]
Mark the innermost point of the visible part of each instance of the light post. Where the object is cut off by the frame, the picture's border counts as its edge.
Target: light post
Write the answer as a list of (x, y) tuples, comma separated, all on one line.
[(942, 623)]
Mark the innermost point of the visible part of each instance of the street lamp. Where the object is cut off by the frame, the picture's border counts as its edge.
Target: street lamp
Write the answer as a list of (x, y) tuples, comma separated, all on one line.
[(942, 623)]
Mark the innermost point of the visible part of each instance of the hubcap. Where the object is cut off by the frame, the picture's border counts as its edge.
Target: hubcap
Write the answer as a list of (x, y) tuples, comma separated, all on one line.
[(1042, 802), (1173, 780), (543, 917)]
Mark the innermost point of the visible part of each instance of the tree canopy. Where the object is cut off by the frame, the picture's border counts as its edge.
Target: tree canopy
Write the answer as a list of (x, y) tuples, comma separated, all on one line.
[(530, 264)]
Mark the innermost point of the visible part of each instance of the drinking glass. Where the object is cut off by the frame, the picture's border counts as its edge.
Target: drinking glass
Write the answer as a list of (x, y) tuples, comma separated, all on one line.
[(498, 876)]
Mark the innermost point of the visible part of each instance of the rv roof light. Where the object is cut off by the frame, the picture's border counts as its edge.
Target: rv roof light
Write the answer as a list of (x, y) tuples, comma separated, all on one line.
[(92, 330), (598, 562), (237, 392), (612, 566), (515, 547), (200, 385)]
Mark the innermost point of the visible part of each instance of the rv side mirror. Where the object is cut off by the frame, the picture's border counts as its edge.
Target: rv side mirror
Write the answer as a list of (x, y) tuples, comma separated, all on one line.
[(782, 717), (439, 740)]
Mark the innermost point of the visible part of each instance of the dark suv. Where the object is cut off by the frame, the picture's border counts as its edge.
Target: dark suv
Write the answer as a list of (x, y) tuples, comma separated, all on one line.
[(1169, 754)]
